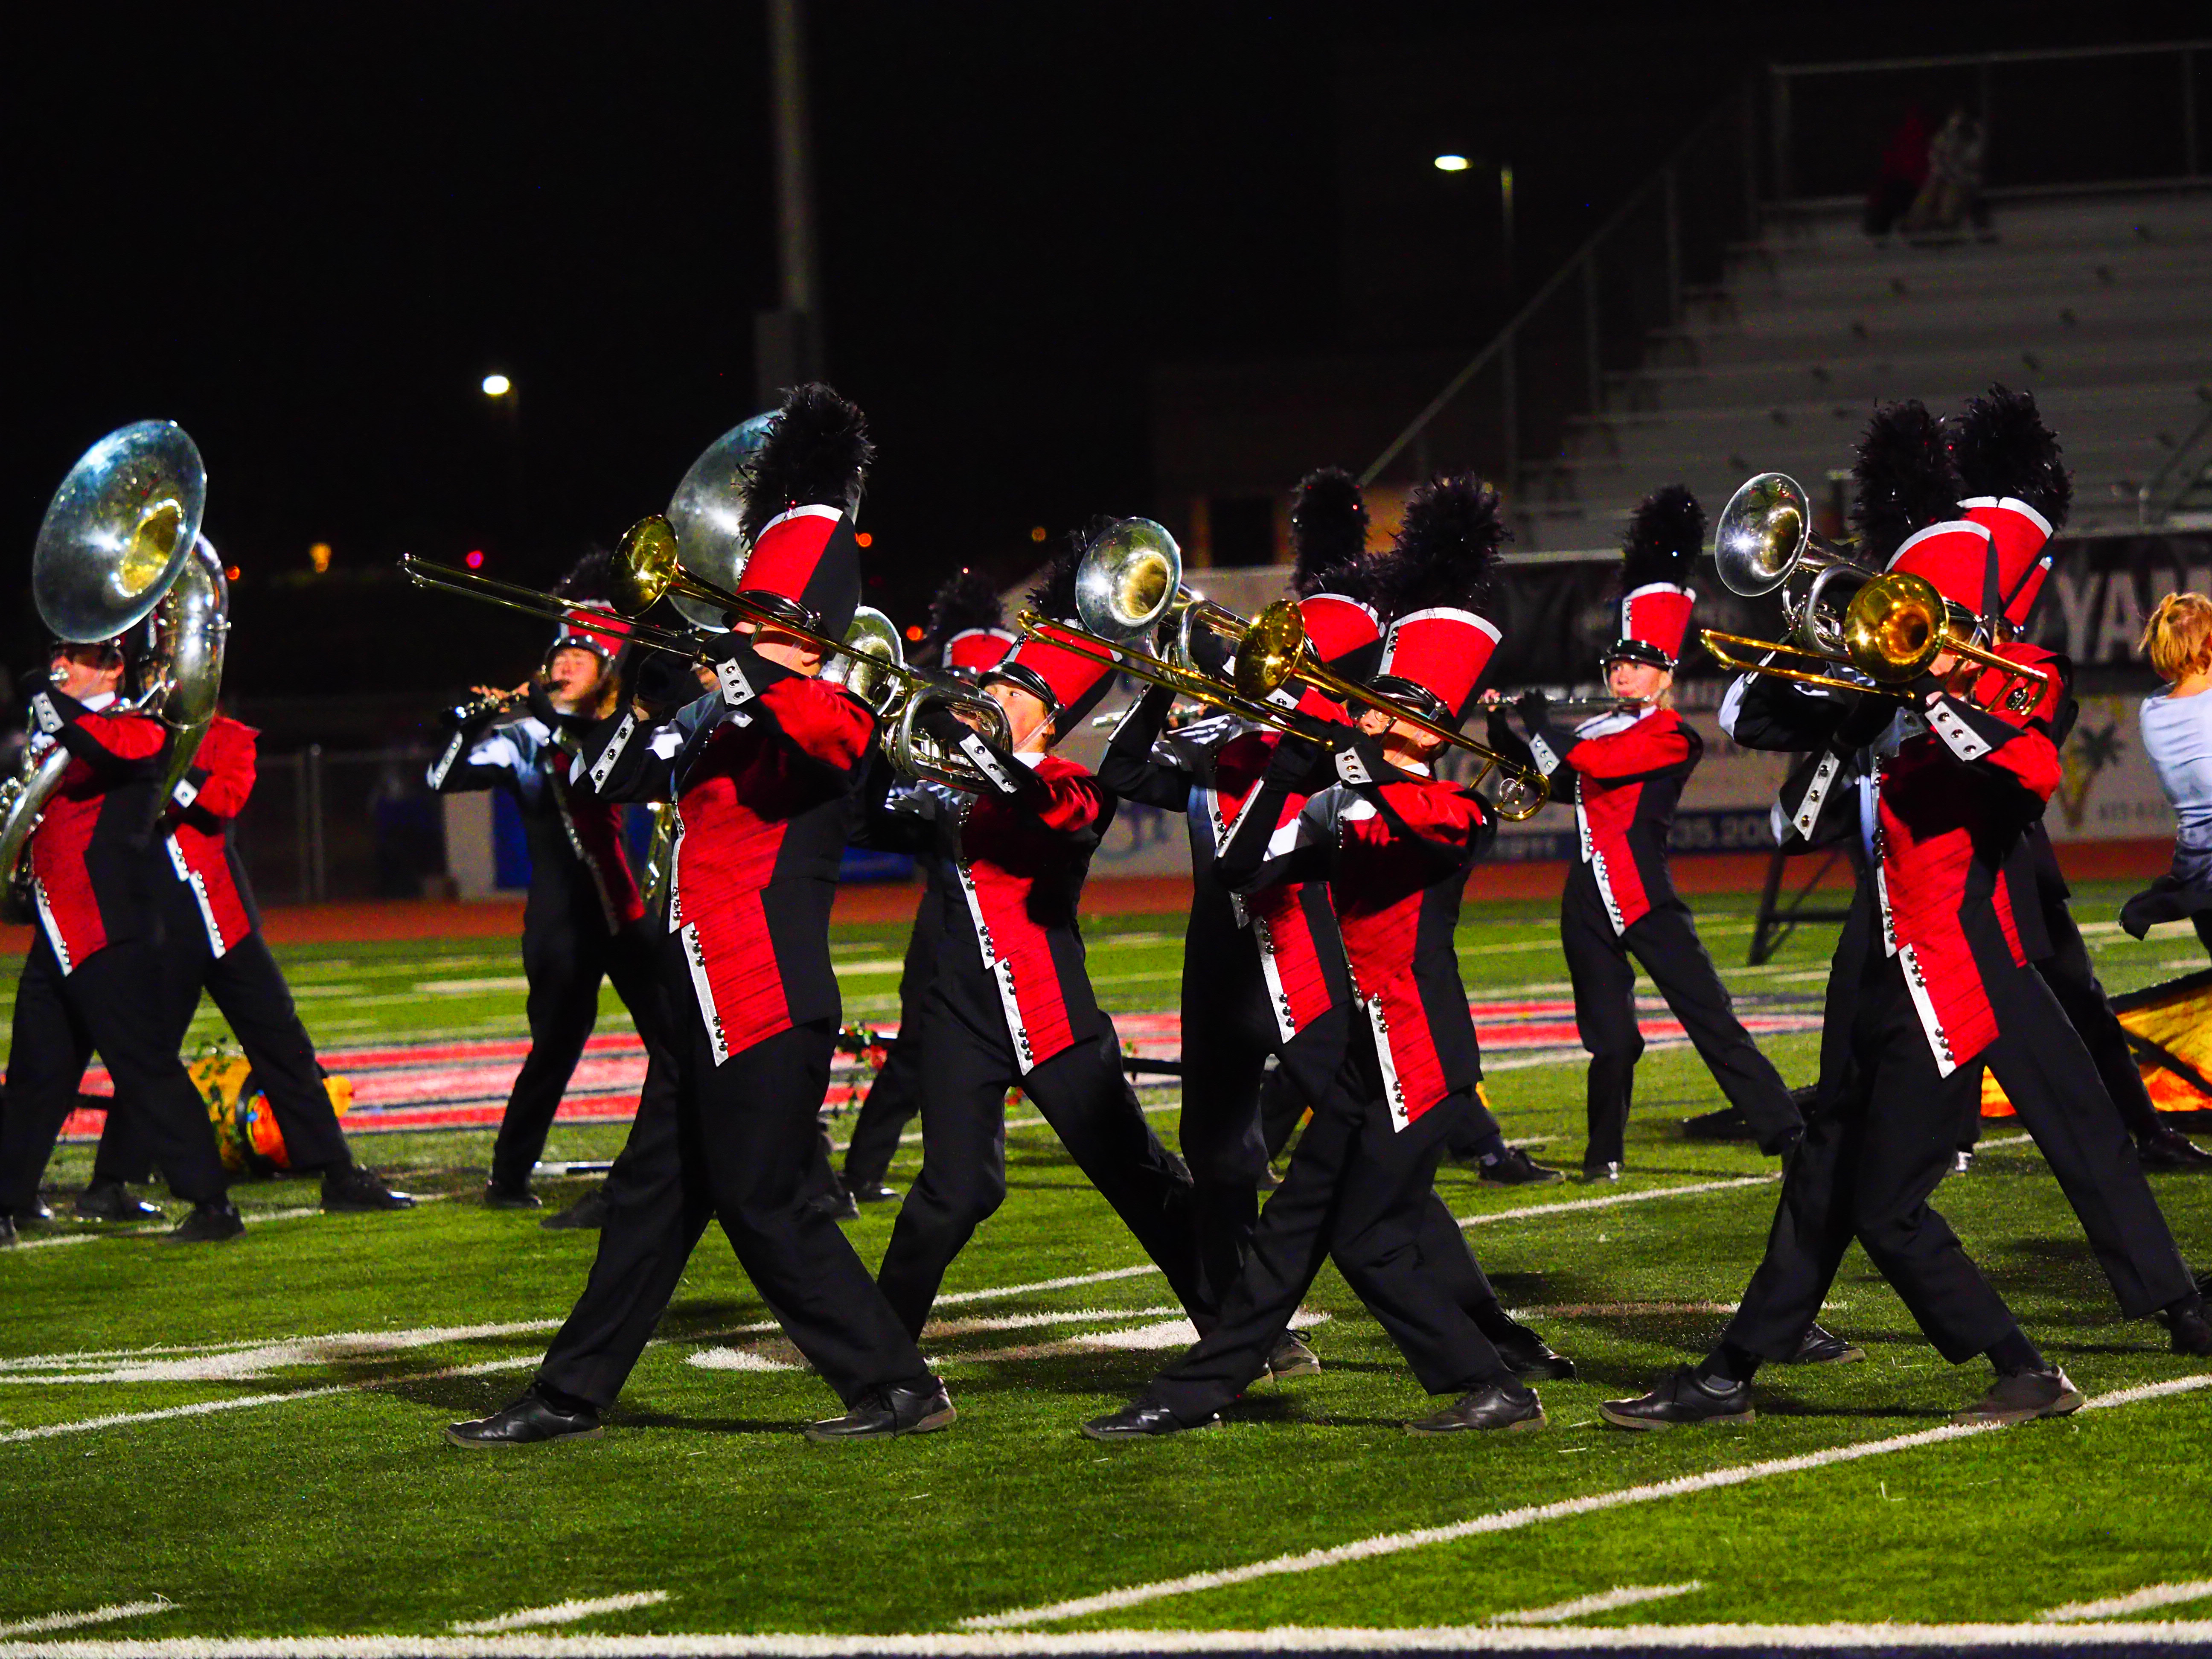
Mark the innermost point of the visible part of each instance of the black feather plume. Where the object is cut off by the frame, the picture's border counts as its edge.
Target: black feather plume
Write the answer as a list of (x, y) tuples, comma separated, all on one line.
[(2002, 447), (1329, 534), (1054, 595), (817, 452), (1666, 533), (1905, 477), (965, 601), (590, 578), (1447, 548)]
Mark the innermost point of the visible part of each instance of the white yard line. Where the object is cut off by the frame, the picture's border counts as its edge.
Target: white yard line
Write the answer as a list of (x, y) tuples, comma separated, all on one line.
[(1627, 1595), (1382, 1544), (561, 1613), (1613, 1200), (95, 1616), (1281, 1638), (2141, 1600)]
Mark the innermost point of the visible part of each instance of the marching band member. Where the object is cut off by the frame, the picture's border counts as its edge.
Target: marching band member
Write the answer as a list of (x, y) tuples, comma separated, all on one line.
[(1628, 770), (1928, 981), (1011, 1005), (212, 943), (1395, 844), (93, 980), (967, 635), (763, 772), (584, 920), (2015, 487)]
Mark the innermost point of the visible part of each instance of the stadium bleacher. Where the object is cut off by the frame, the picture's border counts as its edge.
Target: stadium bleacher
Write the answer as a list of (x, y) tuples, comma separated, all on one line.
[(2101, 305)]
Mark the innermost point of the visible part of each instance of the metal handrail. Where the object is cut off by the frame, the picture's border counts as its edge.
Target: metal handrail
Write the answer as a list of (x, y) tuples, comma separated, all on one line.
[(2150, 508)]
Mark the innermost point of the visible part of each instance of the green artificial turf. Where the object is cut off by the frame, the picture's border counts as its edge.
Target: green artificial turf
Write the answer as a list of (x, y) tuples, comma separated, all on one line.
[(345, 1512)]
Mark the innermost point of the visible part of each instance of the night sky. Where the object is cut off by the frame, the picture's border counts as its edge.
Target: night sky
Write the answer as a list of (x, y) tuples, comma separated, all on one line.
[(306, 233)]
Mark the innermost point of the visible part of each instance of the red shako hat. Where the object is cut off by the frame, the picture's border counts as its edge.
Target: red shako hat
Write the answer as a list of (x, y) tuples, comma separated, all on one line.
[(587, 584), (972, 650), (800, 495), (1665, 534), (1343, 634), (1069, 682), (1430, 582), (2013, 482), (1960, 558)]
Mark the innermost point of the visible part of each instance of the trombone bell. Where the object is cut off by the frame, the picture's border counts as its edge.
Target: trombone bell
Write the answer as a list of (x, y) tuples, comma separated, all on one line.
[(1762, 534), (1128, 580)]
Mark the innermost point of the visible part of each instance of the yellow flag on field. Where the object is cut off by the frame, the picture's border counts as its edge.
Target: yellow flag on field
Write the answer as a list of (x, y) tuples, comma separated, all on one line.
[(2170, 1027)]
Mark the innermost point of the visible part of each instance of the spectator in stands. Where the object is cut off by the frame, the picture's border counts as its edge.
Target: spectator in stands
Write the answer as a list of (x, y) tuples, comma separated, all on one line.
[(1903, 170), (1953, 193), (2177, 735)]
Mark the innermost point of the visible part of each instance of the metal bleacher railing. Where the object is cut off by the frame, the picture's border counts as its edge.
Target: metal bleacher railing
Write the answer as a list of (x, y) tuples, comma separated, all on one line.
[(1798, 138)]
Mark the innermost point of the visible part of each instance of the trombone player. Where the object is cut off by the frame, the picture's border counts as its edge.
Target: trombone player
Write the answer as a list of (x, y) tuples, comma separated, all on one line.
[(1628, 770)]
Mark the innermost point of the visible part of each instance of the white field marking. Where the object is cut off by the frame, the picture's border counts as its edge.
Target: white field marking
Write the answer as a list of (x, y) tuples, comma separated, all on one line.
[(1167, 1334), (1280, 1638), (246, 1362), (561, 1613), (249, 1217), (96, 1616), (463, 986), (1605, 1601), (2156, 1595), (1611, 1310), (912, 1137), (873, 965), (1688, 1190), (737, 1359), (1394, 1543)]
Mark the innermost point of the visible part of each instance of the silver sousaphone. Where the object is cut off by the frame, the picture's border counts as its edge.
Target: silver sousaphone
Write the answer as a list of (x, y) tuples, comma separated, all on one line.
[(707, 515), (120, 543)]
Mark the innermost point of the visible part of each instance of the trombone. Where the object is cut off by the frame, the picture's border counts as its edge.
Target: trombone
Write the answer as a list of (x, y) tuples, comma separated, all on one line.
[(1891, 631), (1132, 581), (869, 661)]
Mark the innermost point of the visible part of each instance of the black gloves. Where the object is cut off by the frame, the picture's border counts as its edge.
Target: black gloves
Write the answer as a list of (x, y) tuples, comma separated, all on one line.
[(1534, 708)]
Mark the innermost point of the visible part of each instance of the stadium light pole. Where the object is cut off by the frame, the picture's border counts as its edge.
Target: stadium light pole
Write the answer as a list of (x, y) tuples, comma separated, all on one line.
[(506, 399), (787, 340)]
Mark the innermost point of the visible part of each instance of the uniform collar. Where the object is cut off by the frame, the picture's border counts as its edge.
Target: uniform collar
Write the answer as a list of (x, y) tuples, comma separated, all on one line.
[(98, 701)]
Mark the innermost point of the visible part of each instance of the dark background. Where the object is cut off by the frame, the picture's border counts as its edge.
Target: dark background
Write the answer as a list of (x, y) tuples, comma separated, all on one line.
[(308, 233)]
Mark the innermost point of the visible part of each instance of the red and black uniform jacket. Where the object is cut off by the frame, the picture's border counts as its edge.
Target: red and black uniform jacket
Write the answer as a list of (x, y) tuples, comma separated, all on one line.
[(1396, 849), (1020, 848), (1289, 927), (1957, 785), (196, 849), (1629, 770), (91, 878), (579, 869), (763, 774)]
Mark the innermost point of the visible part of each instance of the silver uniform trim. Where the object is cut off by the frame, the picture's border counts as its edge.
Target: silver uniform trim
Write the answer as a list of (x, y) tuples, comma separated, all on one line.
[(1916, 983), (52, 928), (737, 689), (444, 763), (186, 792), (603, 768), (1393, 1092), (1960, 739), (703, 989), (190, 878), (1546, 761), (1816, 793)]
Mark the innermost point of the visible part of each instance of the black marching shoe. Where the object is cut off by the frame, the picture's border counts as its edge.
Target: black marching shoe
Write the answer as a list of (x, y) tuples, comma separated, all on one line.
[(1594, 1174), (110, 1200), (1142, 1420), (1293, 1357), (1727, 1124), (871, 1192), (1514, 1167), (1962, 1161), (2023, 1396), (2164, 1147), (587, 1214), (1822, 1346), (1682, 1398), (890, 1409), (533, 1420), (354, 1191), (1528, 1355), (42, 1214), (499, 1195), (209, 1223), (2189, 1332), (836, 1203), (8, 1238), (1493, 1406)]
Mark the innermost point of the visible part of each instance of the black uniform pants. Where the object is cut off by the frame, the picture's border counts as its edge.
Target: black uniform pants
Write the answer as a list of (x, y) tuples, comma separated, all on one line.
[(113, 1004), (248, 989), (1229, 1030), (733, 1142), (1665, 941), (565, 955), (1871, 1158), (895, 1095), (1084, 1095), (1362, 1190), (2061, 1100)]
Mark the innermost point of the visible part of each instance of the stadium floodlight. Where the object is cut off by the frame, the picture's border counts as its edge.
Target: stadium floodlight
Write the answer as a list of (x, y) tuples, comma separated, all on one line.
[(498, 386), (1451, 163)]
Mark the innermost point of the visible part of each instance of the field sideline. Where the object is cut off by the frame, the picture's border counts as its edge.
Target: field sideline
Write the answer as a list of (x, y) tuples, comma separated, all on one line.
[(237, 1450)]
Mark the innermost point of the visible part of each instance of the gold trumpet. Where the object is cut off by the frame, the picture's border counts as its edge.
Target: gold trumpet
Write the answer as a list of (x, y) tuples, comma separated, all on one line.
[(1132, 581), (1895, 626)]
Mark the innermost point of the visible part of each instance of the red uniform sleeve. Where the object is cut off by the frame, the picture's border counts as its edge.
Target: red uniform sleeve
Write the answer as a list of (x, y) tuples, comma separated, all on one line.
[(1648, 746), (1075, 800), (228, 753), (1436, 812), (821, 721)]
